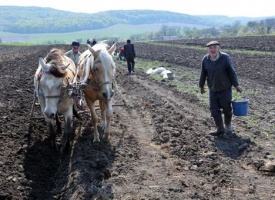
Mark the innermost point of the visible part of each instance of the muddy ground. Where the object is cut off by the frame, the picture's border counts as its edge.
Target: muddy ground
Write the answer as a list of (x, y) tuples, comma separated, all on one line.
[(159, 147), (258, 43)]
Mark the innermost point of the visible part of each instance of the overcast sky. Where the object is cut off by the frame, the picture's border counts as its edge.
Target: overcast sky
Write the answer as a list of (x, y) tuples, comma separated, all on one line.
[(248, 8)]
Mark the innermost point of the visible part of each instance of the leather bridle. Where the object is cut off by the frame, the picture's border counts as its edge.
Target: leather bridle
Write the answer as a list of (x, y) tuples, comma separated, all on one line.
[(98, 85)]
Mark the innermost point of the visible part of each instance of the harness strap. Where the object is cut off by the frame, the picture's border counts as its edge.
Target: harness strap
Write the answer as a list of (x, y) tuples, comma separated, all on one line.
[(105, 83), (51, 96), (94, 73), (94, 88)]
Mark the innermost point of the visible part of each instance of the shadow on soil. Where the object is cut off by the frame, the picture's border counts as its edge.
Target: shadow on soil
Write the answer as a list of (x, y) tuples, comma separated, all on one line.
[(232, 147), (40, 165), (90, 165), (77, 175)]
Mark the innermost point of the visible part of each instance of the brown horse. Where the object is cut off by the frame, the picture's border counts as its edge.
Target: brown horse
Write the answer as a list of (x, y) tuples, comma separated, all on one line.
[(51, 81), (97, 69)]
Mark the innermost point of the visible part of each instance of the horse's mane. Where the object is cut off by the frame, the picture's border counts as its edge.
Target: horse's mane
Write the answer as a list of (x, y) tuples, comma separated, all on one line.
[(107, 61), (104, 58), (100, 46), (56, 60), (85, 54), (55, 56)]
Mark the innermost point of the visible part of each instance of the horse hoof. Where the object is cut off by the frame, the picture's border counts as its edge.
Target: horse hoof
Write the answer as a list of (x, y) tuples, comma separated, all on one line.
[(96, 140), (65, 150), (106, 138), (54, 146)]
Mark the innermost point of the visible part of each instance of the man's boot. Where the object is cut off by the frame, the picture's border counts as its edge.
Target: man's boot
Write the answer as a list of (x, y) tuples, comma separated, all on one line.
[(219, 124), (133, 67), (228, 126)]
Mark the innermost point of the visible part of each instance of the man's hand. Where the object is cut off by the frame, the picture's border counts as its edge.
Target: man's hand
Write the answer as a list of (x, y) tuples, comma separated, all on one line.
[(239, 88), (202, 90)]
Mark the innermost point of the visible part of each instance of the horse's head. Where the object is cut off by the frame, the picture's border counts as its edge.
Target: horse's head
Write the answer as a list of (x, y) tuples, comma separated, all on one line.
[(51, 86), (103, 70)]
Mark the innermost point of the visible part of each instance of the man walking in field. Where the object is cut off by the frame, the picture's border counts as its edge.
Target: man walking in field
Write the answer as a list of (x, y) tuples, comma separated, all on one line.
[(220, 74), (130, 54)]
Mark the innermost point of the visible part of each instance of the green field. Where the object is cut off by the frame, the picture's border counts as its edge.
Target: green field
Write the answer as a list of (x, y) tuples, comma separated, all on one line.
[(120, 31)]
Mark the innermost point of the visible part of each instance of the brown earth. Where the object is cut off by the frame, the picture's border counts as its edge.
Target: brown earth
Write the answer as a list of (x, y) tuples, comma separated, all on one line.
[(258, 43), (258, 67), (159, 147)]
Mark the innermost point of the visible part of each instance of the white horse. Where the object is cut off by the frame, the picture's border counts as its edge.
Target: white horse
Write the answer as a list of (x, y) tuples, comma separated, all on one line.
[(97, 69), (51, 81)]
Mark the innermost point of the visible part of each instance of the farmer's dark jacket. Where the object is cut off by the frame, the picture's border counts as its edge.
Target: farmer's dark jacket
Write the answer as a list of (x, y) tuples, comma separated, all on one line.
[(220, 74), (129, 51)]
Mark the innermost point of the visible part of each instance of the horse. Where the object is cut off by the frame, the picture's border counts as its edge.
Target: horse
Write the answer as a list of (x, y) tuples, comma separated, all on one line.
[(52, 79), (97, 70)]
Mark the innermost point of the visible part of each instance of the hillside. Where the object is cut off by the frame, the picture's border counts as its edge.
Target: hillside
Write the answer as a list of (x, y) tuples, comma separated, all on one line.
[(47, 20)]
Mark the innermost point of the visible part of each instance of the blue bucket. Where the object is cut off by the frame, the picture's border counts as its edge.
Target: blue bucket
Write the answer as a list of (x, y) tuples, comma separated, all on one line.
[(240, 107)]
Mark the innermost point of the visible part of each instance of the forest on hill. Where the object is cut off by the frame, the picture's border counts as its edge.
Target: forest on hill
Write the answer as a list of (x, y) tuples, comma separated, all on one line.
[(16, 19)]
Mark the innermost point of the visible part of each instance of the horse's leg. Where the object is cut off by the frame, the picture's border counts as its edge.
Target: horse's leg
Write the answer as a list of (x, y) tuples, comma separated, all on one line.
[(52, 133), (103, 114), (68, 128), (91, 105), (109, 115), (58, 125), (49, 123), (76, 114)]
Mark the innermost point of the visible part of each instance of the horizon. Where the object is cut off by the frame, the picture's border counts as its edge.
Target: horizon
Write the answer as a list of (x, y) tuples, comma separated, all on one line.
[(232, 8)]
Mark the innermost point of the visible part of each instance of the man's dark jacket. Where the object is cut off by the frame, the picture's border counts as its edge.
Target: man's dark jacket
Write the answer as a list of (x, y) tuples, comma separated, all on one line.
[(129, 51), (220, 74)]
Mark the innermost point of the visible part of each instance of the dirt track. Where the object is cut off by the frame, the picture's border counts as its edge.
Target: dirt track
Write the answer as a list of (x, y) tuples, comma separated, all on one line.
[(159, 147)]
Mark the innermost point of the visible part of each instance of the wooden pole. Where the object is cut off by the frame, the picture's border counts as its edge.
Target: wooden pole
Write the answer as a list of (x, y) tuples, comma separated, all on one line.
[(33, 104)]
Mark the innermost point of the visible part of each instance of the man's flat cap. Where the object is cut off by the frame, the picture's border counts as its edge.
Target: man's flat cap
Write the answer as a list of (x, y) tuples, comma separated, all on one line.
[(212, 43)]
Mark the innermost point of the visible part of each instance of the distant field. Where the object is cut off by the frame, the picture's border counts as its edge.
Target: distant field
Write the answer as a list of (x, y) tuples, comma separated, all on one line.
[(120, 31)]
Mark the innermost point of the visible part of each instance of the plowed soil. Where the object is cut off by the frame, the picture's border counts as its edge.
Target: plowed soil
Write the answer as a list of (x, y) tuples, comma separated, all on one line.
[(159, 146)]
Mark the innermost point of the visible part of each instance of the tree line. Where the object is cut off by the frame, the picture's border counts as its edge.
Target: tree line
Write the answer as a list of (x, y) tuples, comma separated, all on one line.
[(46, 20), (261, 27)]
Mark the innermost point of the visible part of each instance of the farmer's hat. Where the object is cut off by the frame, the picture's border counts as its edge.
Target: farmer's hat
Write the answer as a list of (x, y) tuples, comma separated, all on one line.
[(75, 44), (212, 43)]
